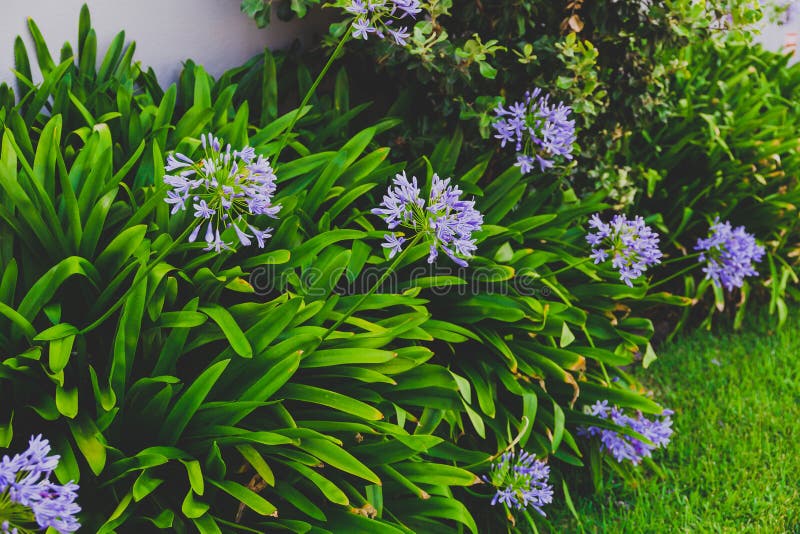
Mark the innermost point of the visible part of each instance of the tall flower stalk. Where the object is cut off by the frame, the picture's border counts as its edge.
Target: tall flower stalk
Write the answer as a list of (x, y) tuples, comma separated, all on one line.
[(225, 189), (310, 93), (381, 18)]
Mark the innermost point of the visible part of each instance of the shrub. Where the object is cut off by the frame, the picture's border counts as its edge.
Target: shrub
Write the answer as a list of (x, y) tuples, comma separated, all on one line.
[(728, 149), (604, 59), (188, 389)]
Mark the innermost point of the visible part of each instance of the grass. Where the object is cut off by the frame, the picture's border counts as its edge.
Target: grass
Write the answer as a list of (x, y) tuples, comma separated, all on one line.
[(734, 462)]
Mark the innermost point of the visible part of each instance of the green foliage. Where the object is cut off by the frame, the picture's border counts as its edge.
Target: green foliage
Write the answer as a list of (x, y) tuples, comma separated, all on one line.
[(207, 397), (729, 148), (603, 58), (261, 10), (659, 116)]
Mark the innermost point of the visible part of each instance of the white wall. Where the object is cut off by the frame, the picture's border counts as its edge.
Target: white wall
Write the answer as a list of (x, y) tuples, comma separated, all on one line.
[(782, 38), (213, 33)]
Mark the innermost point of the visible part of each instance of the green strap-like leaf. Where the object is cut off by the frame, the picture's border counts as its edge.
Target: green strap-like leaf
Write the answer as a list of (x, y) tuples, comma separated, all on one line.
[(338, 458), (189, 402), (230, 328), (253, 500)]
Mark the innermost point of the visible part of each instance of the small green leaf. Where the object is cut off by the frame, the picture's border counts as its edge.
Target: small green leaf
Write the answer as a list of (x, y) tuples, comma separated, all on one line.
[(195, 474), (145, 485), (338, 458), (649, 356), (252, 500), (337, 401), (230, 328), (567, 337), (87, 437), (67, 401), (258, 463)]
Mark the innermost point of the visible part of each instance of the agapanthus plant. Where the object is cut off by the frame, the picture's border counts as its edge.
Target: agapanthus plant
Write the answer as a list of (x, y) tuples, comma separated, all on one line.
[(445, 222), (729, 254), (622, 446), (28, 499), (521, 480), (631, 245), (385, 19), (225, 190), (540, 131)]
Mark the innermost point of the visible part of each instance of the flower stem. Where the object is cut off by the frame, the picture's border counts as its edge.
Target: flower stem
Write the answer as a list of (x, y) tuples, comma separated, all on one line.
[(674, 275), (567, 268), (525, 423), (680, 258), (380, 281), (309, 93), (140, 275)]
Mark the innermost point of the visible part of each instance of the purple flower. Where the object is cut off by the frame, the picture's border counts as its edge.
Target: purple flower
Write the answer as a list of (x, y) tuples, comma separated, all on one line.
[(540, 131), (622, 446), (178, 161), (520, 481), (177, 200), (362, 29), (631, 245), (226, 188), (729, 254), (525, 163), (400, 35), (407, 8), (393, 243), (378, 17), (202, 210), (28, 496), (356, 7), (446, 223)]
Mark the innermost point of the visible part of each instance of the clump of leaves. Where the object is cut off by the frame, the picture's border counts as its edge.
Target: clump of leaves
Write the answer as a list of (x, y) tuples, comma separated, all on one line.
[(211, 395)]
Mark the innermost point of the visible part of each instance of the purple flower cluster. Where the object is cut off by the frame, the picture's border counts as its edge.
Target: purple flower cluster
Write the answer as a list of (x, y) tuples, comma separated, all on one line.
[(447, 222), (27, 495), (379, 16), (521, 481), (222, 189), (729, 254), (631, 245), (623, 447), (540, 131)]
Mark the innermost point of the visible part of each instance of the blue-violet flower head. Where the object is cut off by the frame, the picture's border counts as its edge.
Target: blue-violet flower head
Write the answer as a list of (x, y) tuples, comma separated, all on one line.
[(382, 17), (28, 497), (631, 245), (541, 132), (729, 254), (622, 446), (225, 189), (520, 480), (445, 222)]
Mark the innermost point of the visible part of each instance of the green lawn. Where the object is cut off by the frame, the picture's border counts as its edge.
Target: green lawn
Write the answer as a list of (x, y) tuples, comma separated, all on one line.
[(734, 462)]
